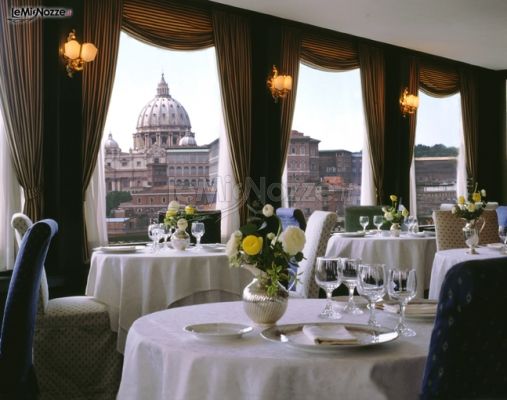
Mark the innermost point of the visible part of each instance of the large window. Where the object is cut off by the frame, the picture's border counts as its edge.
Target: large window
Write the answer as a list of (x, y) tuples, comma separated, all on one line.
[(162, 132), (325, 152), (438, 144)]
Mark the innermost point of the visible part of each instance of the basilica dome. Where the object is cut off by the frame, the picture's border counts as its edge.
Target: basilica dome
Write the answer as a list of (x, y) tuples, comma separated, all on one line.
[(163, 112)]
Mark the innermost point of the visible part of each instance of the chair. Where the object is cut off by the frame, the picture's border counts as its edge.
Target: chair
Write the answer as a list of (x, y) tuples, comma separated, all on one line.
[(352, 214), (467, 356), (291, 217), (17, 376), (74, 348), (449, 229), (318, 231), (501, 212)]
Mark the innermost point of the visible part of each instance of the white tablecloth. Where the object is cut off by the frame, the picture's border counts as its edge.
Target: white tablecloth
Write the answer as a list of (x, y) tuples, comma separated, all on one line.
[(162, 362), (135, 284), (446, 259), (401, 252)]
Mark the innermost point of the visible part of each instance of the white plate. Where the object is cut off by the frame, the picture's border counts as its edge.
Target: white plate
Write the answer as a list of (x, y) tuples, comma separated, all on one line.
[(350, 234), (495, 246), (426, 314), (214, 247), (119, 249), (218, 331), (416, 234), (292, 335)]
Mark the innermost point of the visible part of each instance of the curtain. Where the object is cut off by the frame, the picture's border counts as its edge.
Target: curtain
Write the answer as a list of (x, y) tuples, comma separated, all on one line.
[(438, 78), (372, 70), (102, 25), (328, 53), (170, 24), (413, 88), (234, 57), (21, 80), (290, 46), (468, 91)]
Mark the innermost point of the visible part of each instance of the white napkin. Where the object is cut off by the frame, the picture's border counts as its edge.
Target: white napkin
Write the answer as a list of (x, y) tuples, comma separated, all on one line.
[(329, 334)]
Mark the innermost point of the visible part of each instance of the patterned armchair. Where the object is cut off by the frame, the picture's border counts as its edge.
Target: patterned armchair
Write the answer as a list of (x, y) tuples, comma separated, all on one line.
[(468, 350), (318, 230)]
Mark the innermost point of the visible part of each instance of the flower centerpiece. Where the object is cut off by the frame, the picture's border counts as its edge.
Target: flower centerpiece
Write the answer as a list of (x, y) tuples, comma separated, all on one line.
[(175, 212), (265, 250), (395, 214)]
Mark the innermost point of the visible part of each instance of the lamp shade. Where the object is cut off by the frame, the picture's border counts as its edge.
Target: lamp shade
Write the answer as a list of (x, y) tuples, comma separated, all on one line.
[(72, 49), (88, 52)]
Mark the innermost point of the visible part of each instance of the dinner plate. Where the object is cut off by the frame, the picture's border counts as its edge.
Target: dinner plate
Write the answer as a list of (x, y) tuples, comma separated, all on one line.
[(217, 331), (495, 246), (292, 335), (350, 234), (119, 249), (214, 247), (427, 311)]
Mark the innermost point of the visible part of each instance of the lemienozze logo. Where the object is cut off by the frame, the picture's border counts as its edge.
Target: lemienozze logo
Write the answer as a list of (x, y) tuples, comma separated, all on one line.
[(25, 14)]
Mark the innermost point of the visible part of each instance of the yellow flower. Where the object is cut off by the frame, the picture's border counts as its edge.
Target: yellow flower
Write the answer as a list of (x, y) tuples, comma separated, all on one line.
[(476, 197), (471, 207), (393, 197), (461, 200), (252, 245), (405, 212), (171, 212), (190, 210)]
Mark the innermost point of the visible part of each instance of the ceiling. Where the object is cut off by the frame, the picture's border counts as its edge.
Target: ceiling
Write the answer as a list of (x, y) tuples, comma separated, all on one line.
[(471, 31)]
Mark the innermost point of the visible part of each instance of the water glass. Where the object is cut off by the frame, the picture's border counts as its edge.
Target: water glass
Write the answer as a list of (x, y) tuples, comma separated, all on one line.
[(364, 220), (378, 220), (327, 276), (348, 271), (155, 232), (401, 286), (370, 285), (198, 231), (502, 234)]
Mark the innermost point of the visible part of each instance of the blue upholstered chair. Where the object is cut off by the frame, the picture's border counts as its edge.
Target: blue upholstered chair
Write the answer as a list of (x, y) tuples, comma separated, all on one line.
[(291, 217), (468, 350), (17, 376), (501, 212)]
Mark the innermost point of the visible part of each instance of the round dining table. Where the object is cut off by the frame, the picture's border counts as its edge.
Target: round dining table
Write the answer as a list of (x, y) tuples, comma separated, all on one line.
[(163, 361)]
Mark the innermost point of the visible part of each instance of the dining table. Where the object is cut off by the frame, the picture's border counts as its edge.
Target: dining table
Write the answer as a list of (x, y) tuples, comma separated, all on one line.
[(165, 360), (446, 259), (406, 251), (138, 281)]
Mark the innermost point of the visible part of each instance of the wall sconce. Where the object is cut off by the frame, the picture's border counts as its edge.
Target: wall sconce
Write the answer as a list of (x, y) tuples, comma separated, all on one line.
[(76, 54), (408, 103), (279, 85)]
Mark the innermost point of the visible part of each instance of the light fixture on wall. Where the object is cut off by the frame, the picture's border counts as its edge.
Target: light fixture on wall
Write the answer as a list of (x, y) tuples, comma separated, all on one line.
[(76, 54), (408, 103), (279, 85)]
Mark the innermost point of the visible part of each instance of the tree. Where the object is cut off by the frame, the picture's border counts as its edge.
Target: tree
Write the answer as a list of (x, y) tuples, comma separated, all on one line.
[(113, 200), (437, 150)]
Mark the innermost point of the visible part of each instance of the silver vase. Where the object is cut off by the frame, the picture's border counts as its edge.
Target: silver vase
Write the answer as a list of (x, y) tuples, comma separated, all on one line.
[(261, 308)]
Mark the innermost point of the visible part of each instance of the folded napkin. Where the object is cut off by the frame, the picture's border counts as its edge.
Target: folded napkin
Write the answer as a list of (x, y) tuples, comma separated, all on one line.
[(416, 309), (329, 334)]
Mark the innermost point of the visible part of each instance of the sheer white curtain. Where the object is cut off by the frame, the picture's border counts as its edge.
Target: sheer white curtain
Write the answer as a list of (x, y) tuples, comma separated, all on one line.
[(10, 200), (367, 186), (412, 190), (461, 178), (95, 205)]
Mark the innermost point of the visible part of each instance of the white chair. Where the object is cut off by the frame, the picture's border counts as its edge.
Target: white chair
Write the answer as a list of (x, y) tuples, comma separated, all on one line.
[(74, 351), (318, 230)]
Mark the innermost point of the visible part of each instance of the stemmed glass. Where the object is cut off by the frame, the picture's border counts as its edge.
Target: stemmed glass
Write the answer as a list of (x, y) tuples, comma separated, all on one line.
[(378, 220), (168, 231), (364, 220), (348, 273), (155, 231), (411, 222), (198, 232), (370, 284), (327, 276), (401, 286), (502, 234)]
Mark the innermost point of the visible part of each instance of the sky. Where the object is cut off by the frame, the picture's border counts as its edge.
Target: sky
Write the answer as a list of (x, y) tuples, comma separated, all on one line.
[(328, 104)]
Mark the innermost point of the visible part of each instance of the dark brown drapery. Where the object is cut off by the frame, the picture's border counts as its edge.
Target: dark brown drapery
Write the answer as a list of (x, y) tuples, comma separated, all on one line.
[(169, 24), (234, 56), (413, 88), (469, 105), (291, 45), (102, 26), (372, 70), (328, 53), (21, 83), (438, 78)]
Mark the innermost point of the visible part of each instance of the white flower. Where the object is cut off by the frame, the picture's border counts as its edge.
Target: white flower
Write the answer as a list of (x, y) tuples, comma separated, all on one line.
[(454, 209), (238, 235), (182, 224), (483, 193), (268, 210), (270, 236), (232, 246), (471, 207), (384, 209), (173, 205), (293, 240), (388, 216)]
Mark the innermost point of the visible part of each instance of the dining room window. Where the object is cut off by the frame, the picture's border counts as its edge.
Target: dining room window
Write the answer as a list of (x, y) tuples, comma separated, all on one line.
[(148, 81), (438, 165), (328, 127)]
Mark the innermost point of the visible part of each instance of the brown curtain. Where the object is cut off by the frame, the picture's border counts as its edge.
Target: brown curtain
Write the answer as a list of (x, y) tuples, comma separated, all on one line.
[(328, 53), (290, 48), (102, 26), (469, 113), (372, 69), (174, 25), (413, 88), (234, 56), (438, 78), (21, 83)]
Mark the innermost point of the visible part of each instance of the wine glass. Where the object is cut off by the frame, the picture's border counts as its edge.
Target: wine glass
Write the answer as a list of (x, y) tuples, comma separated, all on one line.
[(154, 233), (327, 276), (348, 273), (411, 222), (502, 234), (168, 231), (198, 231), (378, 220), (401, 286), (370, 284), (364, 220)]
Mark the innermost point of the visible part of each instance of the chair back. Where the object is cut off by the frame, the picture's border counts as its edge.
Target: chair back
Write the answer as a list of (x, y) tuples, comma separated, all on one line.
[(17, 378), (20, 222), (318, 231), (501, 213), (467, 356), (489, 233), (291, 217), (352, 214)]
